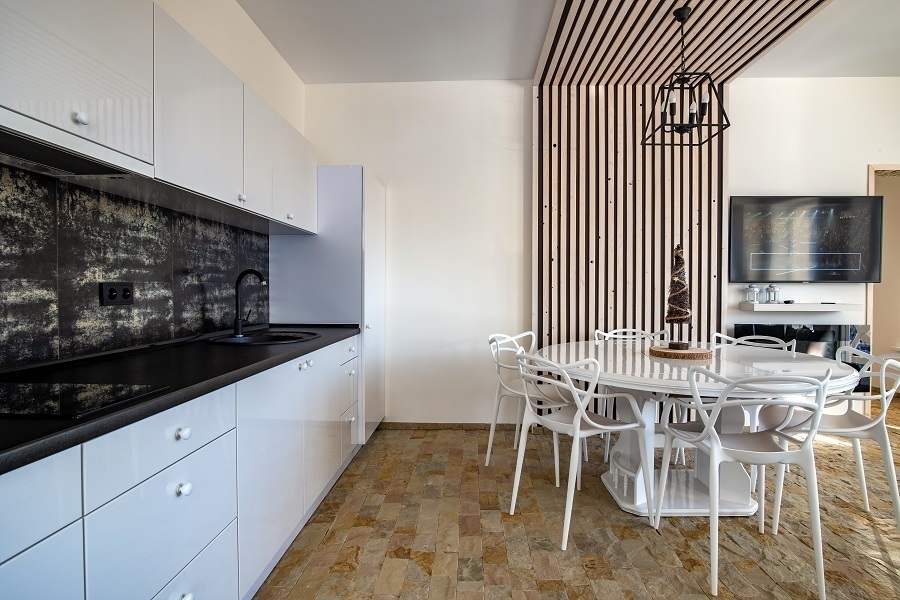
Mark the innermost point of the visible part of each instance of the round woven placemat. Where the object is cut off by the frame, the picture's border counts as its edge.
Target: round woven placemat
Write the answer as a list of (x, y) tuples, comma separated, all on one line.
[(689, 354)]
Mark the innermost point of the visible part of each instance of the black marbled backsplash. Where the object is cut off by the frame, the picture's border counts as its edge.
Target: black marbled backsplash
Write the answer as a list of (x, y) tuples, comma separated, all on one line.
[(58, 241)]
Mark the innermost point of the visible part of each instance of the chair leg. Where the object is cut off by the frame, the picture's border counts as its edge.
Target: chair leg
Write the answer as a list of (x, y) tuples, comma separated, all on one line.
[(761, 496), (861, 473), (664, 473), (487, 458), (556, 455), (776, 505), (815, 524), (519, 418), (574, 463), (887, 457), (714, 523), (606, 453), (526, 423), (648, 488), (584, 450), (753, 413)]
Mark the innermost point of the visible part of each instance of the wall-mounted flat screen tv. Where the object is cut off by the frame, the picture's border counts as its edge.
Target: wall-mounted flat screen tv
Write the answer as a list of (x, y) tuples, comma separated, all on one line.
[(805, 238)]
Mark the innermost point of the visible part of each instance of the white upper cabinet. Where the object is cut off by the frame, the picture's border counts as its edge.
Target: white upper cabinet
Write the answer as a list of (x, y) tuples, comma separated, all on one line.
[(84, 69), (199, 123), (279, 166)]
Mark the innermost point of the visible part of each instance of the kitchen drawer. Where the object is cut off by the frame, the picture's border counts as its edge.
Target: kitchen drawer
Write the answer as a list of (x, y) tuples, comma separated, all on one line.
[(39, 499), (350, 385), (52, 569), (117, 461), (212, 575), (349, 431), (349, 348), (138, 542)]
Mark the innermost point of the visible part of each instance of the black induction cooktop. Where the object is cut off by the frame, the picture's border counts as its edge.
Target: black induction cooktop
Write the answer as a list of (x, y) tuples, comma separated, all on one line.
[(69, 400)]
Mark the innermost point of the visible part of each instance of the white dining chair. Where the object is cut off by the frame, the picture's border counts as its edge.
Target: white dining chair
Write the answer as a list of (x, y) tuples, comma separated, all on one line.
[(770, 446), (574, 419), (638, 334), (759, 341), (841, 420)]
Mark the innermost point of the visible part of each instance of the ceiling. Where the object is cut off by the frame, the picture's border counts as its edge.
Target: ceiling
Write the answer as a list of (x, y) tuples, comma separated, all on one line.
[(359, 41), (847, 38)]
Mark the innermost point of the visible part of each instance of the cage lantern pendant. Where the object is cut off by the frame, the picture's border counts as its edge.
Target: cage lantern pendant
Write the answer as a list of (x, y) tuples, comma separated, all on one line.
[(687, 109)]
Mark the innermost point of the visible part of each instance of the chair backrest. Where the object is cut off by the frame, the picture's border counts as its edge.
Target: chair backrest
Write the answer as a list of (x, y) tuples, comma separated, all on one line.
[(791, 391), (760, 341), (631, 334), (503, 350), (883, 371), (541, 374)]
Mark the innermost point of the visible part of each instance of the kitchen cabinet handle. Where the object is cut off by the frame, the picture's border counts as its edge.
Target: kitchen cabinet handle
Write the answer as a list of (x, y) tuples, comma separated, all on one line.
[(187, 597), (352, 349), (290, 216), (304, 365), (351, 373), (81, 118), (310, 363), (352, 419), (183, 433), (242, 198), (184, 489), (368, 326)]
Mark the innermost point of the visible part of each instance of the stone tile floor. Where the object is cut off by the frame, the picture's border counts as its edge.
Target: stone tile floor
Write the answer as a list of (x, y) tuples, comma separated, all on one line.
[(418, 515)]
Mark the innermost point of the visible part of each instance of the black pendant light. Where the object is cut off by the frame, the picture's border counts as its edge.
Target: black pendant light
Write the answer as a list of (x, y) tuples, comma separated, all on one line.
[(687, 109)]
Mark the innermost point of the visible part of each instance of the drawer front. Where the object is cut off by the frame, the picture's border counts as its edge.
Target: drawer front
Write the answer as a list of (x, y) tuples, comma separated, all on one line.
[(212, 575), (52, 569), (349, 348), (138, 542), (118, 461), (38, 500)]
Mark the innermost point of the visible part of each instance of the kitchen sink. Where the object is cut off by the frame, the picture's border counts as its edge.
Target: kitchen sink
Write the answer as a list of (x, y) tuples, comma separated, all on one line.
[(264, 337)]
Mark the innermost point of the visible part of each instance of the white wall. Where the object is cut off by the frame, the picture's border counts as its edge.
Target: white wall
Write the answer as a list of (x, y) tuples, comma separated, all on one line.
[(455, 158), (809, 136), (230, 34)]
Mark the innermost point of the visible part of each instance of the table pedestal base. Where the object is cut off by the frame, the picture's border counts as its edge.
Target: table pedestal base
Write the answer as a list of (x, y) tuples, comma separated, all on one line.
[(686, 496)]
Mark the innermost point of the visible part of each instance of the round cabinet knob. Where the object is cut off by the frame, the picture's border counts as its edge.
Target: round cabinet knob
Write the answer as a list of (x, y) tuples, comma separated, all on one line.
[(304, 365), (242, 198), (352, 419), (368, 326), (290, 216), (81, 118), (310, 362), (184, 489), (187, 597), (351, 373), (352, 348), (183, 433)]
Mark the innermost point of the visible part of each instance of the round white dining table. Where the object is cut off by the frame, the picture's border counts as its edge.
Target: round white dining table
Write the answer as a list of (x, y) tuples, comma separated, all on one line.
[(626, 365)]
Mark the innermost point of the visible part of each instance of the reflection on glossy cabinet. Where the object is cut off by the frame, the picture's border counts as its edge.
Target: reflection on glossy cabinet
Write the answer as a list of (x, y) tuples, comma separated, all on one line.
[(53, 568), (279, 166), (87, 70), (270, 419), (199, 120), (321, 429), (213, 574)]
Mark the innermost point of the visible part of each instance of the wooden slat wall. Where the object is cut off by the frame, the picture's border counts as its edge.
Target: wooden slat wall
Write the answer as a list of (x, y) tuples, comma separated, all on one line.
[(609, 211)]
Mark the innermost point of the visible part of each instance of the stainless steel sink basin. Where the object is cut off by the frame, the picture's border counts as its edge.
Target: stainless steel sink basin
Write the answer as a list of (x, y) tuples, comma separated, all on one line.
[(264, 337)]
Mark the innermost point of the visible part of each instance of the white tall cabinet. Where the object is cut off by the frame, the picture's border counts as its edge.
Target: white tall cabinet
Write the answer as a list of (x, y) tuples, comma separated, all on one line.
[(338, 275)]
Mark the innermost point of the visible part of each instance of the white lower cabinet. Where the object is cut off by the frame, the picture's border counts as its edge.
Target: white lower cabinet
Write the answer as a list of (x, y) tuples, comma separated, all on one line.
[(53, 569), (213, 575), (349, 431), (139, 541), (270, 415)]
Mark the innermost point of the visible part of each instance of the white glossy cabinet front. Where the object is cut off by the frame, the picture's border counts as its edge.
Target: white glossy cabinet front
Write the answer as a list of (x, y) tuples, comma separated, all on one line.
[(53, 569), (119, 460), (93, 60), (38, 500), (321, 428), (199, 121), (270, 415), (279, 166), (138, 542), (213, 575)]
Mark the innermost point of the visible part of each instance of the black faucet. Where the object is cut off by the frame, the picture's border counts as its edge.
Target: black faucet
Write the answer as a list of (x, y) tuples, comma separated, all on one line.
[(238, 321)]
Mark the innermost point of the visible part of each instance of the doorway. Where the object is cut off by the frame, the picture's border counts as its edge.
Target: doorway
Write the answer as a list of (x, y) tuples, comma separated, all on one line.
[(884, 180)]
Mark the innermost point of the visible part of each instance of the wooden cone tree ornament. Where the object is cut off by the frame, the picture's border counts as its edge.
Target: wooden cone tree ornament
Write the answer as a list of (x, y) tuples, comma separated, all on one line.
[(678, 308)]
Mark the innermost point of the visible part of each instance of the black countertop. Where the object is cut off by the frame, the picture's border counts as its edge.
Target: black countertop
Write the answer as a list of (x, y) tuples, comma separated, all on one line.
[(189, 370)]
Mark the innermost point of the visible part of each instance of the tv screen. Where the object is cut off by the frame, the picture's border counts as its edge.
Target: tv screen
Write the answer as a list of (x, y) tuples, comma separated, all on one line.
[(805, 238)]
